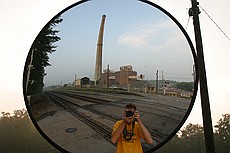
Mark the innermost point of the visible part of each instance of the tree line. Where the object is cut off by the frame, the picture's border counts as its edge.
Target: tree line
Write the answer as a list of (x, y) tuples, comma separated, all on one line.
[(38, 58), (191, 138), (18, 134)]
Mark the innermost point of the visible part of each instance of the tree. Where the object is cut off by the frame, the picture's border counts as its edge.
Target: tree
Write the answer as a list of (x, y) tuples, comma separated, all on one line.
[(188, 140), (222, 134), (18, 134), (187, 86), (43, 45), (192, 137), (173, 146)]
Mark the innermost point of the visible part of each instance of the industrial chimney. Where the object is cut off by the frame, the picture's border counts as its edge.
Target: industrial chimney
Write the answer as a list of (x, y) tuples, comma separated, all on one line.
[(98, 66)]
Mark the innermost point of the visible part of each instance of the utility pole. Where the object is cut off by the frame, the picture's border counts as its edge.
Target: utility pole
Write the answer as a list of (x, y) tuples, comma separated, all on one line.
[(30, 67), (107, 78), (206, 113), (75, 81), (162, 81), (156, 81), (162, 76)]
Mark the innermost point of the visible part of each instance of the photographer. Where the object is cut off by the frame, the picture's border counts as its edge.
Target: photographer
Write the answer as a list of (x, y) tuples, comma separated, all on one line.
[(128, 132)]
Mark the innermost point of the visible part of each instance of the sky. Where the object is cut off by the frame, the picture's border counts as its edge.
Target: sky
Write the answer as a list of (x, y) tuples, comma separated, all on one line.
[(138, 35), (21, 21)]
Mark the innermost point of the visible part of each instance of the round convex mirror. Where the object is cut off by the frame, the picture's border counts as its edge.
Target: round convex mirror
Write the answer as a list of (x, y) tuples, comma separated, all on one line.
[(94, 58)]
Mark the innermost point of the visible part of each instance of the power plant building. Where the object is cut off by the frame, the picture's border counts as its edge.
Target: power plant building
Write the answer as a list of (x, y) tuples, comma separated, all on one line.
[(125, 76)]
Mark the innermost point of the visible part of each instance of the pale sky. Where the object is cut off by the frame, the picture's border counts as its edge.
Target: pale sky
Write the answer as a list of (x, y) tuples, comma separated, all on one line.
[(137, 35), (21, 21)]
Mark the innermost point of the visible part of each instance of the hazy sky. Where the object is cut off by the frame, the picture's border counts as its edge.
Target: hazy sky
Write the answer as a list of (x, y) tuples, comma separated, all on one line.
[(21, 22), (138, 34)]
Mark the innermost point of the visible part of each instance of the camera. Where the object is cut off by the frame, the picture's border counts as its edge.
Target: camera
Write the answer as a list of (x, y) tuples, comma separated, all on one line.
[(129, 113)]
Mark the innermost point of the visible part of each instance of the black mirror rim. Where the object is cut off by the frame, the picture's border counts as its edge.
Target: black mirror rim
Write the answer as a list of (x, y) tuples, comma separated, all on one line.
[(195, 83)]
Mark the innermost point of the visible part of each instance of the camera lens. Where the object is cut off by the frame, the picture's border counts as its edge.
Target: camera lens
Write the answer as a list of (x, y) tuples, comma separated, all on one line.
[(129, 113)]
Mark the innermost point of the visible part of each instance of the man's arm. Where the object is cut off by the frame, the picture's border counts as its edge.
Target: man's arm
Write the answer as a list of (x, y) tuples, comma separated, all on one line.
[(118, 132), (145, 132)]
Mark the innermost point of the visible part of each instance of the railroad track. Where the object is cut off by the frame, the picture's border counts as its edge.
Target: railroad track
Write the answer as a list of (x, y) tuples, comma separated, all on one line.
[(100, 128), (148, 104), (83, 97)]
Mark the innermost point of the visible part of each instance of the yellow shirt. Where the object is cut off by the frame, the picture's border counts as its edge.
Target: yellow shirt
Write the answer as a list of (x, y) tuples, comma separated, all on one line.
[(129, 146)]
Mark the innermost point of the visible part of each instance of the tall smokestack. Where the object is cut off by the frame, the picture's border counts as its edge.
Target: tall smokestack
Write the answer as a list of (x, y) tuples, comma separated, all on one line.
[(98, 66)]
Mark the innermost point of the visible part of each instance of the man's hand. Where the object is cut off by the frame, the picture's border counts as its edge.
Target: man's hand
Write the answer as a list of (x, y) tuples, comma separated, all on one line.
[(137, 116), (128, 120)]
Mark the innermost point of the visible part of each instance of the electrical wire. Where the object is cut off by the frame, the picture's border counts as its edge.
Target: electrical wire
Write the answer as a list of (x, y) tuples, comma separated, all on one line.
[(215, 23)]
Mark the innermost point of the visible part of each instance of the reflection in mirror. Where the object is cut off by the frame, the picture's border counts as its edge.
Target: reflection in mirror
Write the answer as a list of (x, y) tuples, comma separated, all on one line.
[(90, 61)]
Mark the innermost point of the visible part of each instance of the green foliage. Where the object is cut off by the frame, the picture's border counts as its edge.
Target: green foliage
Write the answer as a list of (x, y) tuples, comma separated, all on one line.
[(191, 139), (222, 134), (187, 86), (43, 45), (173, 146), (18, 134)]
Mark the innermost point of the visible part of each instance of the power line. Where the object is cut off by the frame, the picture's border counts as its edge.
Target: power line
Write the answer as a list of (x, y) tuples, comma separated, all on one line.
[(215, 23)]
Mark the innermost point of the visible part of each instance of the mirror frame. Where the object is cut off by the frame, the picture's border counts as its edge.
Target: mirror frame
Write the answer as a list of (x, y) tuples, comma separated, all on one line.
[(195, 82)]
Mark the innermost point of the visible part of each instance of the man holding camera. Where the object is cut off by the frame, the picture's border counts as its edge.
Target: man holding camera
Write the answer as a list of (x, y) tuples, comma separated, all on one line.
[(128, 132)]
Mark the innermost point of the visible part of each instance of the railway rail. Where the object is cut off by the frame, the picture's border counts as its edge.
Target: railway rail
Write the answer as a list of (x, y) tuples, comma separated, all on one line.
[(61, 99), (100, 128)]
